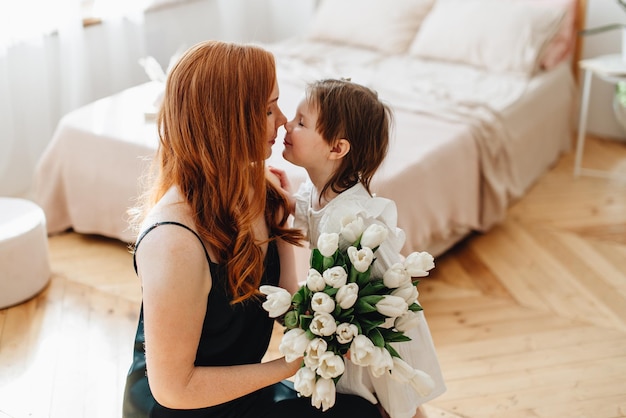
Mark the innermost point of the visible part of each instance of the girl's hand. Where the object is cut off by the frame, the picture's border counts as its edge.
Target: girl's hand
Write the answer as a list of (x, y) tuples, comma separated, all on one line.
[(281, 177)]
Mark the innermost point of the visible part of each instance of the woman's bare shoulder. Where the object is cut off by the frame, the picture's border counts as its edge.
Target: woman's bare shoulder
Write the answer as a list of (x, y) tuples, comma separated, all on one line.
[(173, 241)]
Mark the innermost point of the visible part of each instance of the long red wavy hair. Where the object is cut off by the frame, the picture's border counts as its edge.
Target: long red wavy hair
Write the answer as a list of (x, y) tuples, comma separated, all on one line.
[(212, 129)]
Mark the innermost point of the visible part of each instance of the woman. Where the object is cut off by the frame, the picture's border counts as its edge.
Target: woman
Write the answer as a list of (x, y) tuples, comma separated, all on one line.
[(212, 230)]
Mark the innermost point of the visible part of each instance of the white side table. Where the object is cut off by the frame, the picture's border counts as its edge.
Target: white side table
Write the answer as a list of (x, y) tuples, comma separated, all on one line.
[(610, 68)]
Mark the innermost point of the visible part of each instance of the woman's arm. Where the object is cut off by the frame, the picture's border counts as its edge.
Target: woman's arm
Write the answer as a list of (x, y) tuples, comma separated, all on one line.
[(176, 281)]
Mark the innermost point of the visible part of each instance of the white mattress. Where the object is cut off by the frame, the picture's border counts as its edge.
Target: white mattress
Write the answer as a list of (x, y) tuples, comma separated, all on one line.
[(448, 171)]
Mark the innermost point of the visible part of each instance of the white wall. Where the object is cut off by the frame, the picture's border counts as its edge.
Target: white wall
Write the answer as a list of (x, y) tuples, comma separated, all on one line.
[(601, 120), (38, 86), (235, 20)]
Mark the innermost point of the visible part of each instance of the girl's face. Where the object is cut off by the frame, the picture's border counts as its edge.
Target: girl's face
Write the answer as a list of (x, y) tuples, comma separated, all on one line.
[(275, 119), (304, 146)]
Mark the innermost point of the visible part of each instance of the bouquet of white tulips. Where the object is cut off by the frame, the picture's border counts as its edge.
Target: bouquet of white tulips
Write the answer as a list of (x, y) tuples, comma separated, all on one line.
[(343, 311)]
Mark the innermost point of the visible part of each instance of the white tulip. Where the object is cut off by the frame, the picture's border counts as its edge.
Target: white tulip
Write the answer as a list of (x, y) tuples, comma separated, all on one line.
[(347, 295), (382, 363), (304, 381), (335, 276), (277, 302), (346, 332), (408, 292), (388, 324), (418, 264), (331, 365), (327, 243), (407, 320), (362, 351), (374, 235), (361, 259), (396, 276), (351, 228), (324, 394), (420, 381), (314, 281), (322, 302), (315, 349), (323, 324), (293, 344), (392, 306)]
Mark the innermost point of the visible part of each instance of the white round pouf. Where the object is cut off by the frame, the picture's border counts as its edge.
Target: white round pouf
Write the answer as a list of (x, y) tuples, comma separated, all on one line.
[(24, 258)]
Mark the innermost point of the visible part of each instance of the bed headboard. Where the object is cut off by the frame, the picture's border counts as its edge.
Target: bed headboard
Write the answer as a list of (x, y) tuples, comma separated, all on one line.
[(451, 30), (580, 22)]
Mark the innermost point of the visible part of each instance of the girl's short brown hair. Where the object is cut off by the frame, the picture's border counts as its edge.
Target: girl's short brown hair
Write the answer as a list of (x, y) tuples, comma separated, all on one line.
[(354, 112)]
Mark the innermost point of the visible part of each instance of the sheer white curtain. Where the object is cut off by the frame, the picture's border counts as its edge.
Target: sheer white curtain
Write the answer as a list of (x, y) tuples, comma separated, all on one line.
[(50, 64), (48, 67)]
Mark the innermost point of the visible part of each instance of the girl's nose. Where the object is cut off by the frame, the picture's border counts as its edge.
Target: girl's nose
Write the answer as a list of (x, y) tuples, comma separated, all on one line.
[(288, 125)]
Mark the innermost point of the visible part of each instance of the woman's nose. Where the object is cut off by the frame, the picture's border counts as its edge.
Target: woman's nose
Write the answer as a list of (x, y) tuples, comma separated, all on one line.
[(282, 119)]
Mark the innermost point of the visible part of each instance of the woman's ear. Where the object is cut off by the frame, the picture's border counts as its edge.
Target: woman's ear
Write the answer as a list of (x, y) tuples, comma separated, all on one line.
[(339, 149)]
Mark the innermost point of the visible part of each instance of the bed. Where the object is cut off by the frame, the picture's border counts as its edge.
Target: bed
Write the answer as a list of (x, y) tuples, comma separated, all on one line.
[(483, 106)]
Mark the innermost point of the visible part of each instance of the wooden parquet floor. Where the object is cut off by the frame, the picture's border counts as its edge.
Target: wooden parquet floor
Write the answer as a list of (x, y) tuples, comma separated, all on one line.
[(529, 319)]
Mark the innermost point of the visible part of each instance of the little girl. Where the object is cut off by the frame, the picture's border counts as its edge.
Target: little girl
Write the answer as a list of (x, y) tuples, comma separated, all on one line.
[(340, 135)]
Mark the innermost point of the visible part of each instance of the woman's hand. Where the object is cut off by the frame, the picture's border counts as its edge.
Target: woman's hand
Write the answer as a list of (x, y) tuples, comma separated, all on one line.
[(293, 366)]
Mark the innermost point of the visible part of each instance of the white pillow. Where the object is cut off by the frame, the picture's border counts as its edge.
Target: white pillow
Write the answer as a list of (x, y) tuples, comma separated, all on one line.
[(501, 36), (387, 26)]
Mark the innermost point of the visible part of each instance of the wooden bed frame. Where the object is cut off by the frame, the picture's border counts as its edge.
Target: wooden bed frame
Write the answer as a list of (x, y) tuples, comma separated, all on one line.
[(580, 22)]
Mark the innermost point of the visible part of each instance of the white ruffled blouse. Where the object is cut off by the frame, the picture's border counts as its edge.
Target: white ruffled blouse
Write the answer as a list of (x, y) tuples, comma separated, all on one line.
[(355, 201)]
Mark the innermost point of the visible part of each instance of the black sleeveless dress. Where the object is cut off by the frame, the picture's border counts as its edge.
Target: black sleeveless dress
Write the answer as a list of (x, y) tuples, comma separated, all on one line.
[(231, 335)]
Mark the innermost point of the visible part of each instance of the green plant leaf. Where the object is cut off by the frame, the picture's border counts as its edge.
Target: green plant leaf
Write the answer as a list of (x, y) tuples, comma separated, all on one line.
[(327, 262), (291, 320), (345, 315), (415, 307), (392, 351), (341, 259), (376, 337), (372, 288), (363, 279), (399, 339), (331, 291), (391, 335), (372, 299), (305, 321), (337, 312), (317, 260), (298, 297), (352, 275), (369, 324), (361, 306)]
